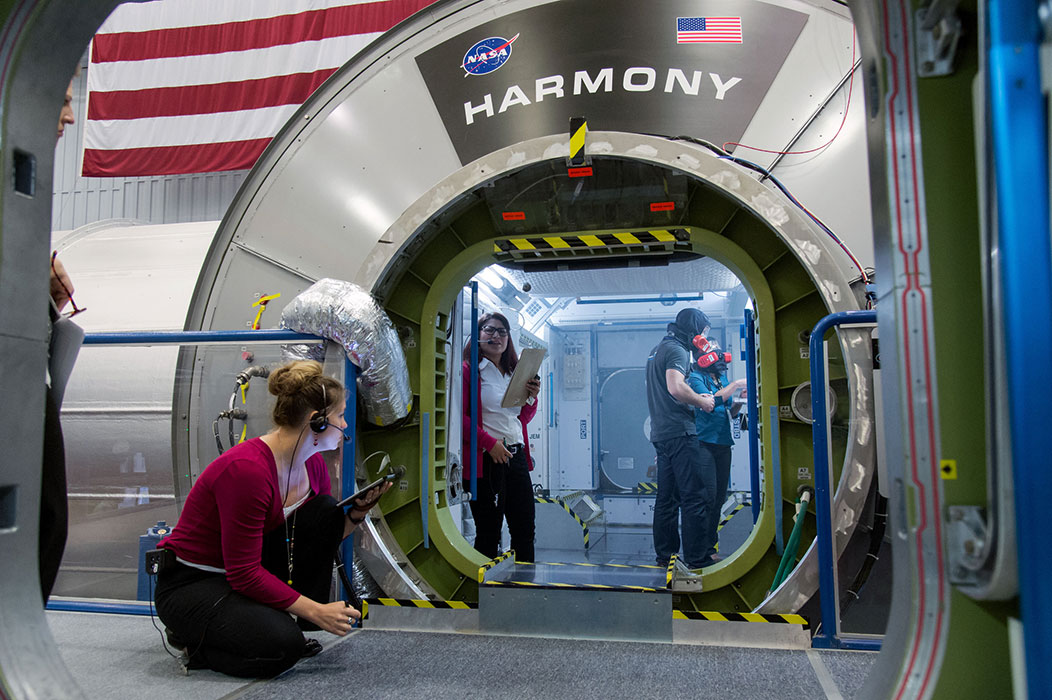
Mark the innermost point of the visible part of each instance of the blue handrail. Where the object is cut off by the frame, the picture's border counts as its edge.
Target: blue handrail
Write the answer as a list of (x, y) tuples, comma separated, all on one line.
[(211, 338), (829, 636), (347, 482), (1019, 123), (474, 344), (752, 413), (193, 337)]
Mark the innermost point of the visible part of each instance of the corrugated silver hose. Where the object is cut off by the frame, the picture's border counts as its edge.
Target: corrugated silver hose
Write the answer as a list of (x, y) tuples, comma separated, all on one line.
[(347, 314)]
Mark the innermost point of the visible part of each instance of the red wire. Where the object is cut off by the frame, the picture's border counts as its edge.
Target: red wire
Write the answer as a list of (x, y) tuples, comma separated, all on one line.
[(850, 86)]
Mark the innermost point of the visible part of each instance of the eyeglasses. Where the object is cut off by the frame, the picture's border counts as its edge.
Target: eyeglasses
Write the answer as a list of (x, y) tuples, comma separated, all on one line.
[(493, 330), (76, 309)]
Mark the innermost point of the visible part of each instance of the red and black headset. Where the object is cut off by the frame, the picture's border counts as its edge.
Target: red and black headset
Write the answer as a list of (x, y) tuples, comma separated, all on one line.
[(709, 351)]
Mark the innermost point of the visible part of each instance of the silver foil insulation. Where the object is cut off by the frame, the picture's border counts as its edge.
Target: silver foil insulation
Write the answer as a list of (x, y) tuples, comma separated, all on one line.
[(347, 314)]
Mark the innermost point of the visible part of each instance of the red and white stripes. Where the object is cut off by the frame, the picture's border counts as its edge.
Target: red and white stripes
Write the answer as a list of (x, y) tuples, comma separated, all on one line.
[(188, 86)]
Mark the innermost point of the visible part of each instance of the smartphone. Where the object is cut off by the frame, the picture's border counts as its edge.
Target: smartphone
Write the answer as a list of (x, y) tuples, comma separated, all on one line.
[(365, 489)]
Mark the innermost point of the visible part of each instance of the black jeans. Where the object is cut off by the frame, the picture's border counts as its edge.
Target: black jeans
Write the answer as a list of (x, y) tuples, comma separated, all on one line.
[(721, 458), (504, 491), (236, 635), (54, 508)]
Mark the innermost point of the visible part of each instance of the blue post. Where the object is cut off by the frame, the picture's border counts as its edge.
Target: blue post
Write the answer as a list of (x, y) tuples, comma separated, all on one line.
[(776, 472), (425, 476), (752, 413), (347, 483), (829, 636), (474, 344), (1020, 147)]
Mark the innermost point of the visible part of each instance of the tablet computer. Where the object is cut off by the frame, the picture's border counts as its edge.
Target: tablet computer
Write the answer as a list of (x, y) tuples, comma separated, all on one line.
[(365, 489)]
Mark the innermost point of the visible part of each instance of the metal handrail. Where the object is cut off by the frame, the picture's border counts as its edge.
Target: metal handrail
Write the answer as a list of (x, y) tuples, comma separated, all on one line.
[(1018, 115), (829, 635), (753, 414), (147, 338)]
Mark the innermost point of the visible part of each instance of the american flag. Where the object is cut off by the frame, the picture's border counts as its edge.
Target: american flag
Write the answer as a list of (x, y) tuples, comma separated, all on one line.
[(704, 30), (197, 86)]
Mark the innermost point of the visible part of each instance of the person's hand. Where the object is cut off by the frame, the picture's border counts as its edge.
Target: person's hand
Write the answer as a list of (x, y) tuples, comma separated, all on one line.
[(364, 503), (61, 284), (533, 387), (336, 618), (738, 385), (499, 453), (707, 403)]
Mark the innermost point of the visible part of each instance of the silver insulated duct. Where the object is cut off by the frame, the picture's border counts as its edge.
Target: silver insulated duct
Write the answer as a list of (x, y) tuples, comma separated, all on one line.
[(347, 314)]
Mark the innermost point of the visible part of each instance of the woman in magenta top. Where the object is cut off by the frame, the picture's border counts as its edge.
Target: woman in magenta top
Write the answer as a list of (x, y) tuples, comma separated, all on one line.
[(257, 536), (504, 464)]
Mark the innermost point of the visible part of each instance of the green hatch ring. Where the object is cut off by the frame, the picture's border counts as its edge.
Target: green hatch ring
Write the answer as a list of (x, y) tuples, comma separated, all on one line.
[(427, 256), (443, 531)]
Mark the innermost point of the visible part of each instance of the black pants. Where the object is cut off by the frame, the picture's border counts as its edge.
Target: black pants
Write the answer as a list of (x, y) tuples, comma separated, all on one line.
[(236, 635), (504, 491), (721, 457), (54, 509)]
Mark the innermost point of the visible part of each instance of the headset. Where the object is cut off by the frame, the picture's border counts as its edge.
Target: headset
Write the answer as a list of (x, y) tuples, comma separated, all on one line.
[(320, 420)]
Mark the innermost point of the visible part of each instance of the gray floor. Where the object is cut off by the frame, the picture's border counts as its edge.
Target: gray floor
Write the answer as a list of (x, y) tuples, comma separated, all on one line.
[(120, 657)]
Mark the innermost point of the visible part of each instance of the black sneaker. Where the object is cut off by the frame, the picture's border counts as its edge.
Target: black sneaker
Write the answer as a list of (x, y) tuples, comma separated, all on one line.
[(311, 647)]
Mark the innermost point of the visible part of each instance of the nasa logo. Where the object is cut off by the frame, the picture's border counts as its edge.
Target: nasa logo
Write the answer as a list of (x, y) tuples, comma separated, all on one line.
[(487, 55)]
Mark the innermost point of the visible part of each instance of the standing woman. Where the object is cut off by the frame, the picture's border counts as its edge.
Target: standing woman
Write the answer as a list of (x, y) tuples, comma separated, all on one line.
[(504, 463), (709, 376), (257, 536)]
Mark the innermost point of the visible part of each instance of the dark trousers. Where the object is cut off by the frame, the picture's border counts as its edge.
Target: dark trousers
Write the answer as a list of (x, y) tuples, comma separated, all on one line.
[(686, 482), (721, 458), (504, 491), (236, 635), (54, 509)]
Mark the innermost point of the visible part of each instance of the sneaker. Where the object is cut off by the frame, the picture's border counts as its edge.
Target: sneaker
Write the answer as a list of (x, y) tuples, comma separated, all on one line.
[(311, 647)]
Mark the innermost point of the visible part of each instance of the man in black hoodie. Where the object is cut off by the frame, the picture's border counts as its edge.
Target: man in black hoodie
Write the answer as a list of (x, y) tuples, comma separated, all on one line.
[(686, 475)]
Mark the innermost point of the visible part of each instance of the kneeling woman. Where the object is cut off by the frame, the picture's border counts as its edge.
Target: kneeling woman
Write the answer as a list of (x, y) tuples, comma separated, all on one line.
[(257, 537)]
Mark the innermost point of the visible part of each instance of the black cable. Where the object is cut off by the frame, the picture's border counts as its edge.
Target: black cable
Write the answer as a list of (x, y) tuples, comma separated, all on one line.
[(876, 539), (215, 431), (153, 620)]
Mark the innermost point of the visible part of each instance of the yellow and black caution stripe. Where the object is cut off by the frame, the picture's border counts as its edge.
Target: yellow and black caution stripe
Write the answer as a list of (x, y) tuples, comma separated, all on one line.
[(646, 487), (424, 604), (493, 562), (740, 617), (574, 586), (589, 240), (669, 569), (588, 563), (728, 519), (578, 131), (566, 507)]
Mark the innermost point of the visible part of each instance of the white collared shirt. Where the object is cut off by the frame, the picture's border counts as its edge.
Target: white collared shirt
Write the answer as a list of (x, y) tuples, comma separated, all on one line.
[(498, 422)]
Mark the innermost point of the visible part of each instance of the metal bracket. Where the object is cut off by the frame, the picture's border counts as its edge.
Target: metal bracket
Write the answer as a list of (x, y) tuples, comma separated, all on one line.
[(938, 31), (968, 544), (684, 580)]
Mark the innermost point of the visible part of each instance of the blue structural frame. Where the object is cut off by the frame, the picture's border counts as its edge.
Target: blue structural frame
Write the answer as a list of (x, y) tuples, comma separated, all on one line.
[(218, 338), (347, 483), (1019, 123), (474, 343), (753, 414), (828, 637), (776, 477)]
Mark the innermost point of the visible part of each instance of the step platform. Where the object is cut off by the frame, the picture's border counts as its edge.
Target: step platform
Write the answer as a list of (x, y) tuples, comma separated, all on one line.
[(588, 601)]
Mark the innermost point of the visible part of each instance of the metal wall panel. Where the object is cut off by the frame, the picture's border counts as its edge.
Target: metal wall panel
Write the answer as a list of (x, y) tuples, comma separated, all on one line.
[(156, 200)]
